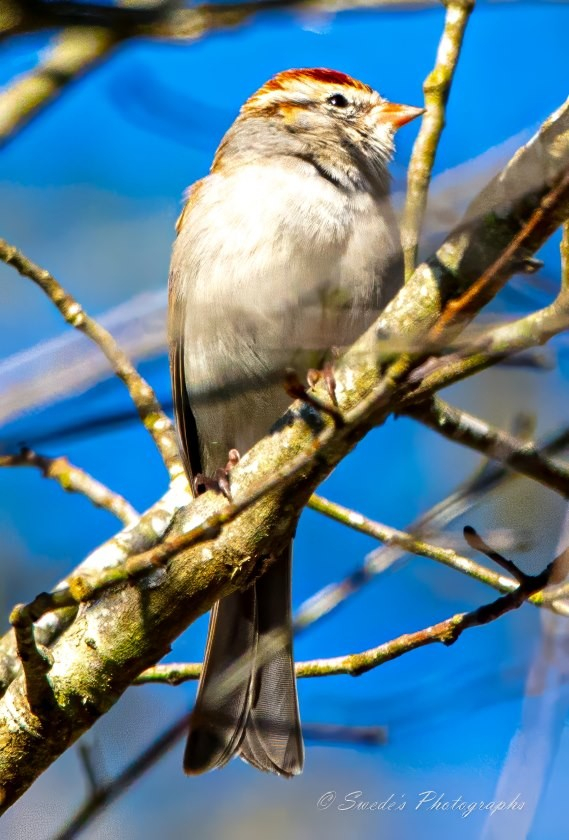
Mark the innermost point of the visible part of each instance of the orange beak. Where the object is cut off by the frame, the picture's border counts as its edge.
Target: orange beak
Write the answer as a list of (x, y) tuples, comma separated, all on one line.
[(398, 115)]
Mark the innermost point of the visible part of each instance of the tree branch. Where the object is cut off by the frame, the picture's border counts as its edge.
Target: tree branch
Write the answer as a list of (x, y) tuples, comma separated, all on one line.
[(87, 33), (96, 659), (461, 427), (436, 88), (111, 556), (412, 544), (74, 480), (447, 632), (493, 346), (142, 395)]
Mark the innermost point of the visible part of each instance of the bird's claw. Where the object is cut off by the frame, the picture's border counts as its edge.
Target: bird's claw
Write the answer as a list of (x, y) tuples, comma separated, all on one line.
[(219, 481), (298, 391), (327, 374)]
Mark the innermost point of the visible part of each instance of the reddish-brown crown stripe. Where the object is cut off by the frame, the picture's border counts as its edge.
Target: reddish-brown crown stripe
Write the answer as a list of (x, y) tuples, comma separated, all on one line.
[(317, 74)]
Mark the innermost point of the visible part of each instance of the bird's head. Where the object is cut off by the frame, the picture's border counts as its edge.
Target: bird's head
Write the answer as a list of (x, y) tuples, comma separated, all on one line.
[(333, 116)]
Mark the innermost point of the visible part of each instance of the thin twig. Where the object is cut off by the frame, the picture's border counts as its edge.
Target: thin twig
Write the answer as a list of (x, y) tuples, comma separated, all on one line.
[(495, 345), (103, 795), (107, 793), (462, 427), (483, 481), (412, 544), (460, 310), (476, 542), (446, 632), (332, 733), (74, 480), (144, 398), (436, 88), (90, 764)]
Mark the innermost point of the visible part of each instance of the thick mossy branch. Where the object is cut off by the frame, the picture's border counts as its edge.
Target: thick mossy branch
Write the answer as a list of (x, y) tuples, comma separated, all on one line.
[(132, 624)]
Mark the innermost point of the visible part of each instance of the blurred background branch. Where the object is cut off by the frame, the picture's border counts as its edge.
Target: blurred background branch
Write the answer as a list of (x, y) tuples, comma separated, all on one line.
[(87, 33)]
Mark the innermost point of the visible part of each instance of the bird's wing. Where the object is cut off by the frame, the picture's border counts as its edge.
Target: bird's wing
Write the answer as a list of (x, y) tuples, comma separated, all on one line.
[(185, 419)]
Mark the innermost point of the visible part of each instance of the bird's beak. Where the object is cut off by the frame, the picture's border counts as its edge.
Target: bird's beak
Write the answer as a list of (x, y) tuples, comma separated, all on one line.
[(397, 115)]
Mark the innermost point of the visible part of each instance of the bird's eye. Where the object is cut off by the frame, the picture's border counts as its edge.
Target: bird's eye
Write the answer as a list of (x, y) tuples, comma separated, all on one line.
[(338, 100)]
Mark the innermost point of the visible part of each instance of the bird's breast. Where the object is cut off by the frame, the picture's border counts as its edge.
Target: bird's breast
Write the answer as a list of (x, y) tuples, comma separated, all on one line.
[(277, 265)]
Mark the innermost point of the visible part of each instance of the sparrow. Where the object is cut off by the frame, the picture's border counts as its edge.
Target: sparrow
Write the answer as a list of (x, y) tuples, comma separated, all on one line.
[(288, 248)]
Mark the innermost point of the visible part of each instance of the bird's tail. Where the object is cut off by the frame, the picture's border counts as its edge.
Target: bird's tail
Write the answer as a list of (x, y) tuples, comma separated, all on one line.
[(247, 702)]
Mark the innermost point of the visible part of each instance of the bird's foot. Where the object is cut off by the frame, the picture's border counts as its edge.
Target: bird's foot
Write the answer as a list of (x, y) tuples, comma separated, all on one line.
[(219, 481), (298, 391), (327, 375)]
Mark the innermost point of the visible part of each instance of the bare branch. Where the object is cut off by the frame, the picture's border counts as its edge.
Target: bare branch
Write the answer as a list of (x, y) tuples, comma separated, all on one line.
[(447, 632), (91, 767), (550, 213), (144, 398), (107, 793), (74, 480), (509, 220), (103, 795), (87, 33), (461, 427), (493, 346), (485, 480), (112, 555), (436, 88), (411, 543)]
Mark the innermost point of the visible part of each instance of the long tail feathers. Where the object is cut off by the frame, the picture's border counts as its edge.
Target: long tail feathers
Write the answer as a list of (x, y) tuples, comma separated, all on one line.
[(247, 702)]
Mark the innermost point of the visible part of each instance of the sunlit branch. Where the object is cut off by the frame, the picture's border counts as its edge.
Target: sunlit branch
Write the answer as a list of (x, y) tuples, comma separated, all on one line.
[(105, 560), (485, 480), (461, 427), (436, 88), (446, 632), (410, 543), (493, 346), (74, 480), (149, 410)]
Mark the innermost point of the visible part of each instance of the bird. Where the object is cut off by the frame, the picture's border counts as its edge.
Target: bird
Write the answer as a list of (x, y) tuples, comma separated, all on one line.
[(288, 248)]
